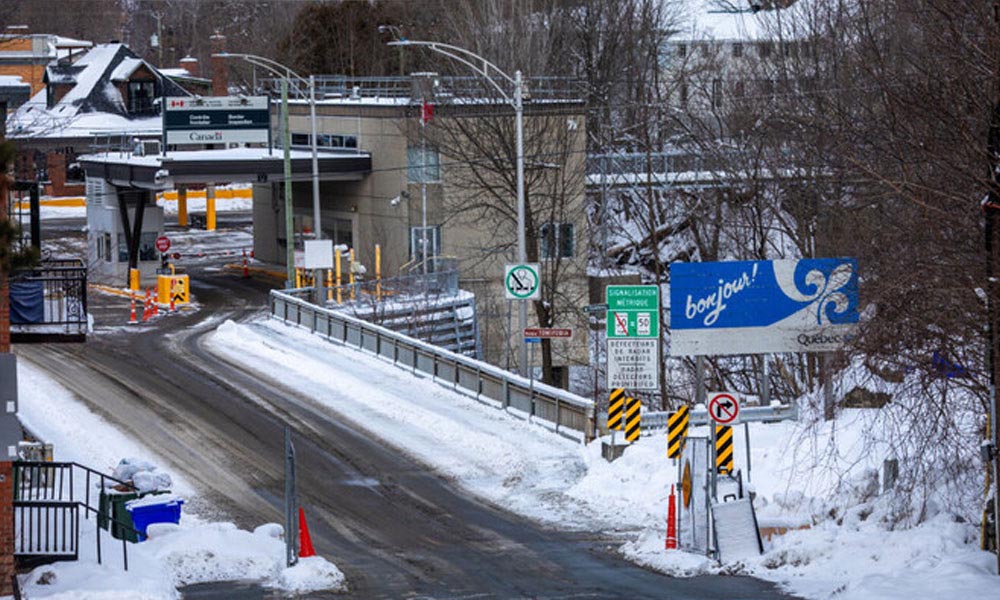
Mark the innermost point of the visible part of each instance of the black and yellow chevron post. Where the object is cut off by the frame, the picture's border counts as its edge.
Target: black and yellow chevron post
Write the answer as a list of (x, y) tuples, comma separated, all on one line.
[(632, 418), (677, 431), (616, 408), (724, 449)]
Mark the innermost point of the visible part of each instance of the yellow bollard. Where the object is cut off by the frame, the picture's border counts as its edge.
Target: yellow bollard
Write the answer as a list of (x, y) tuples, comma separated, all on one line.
[(133, 280), (350, 274), (329, 285), (336, 265), (182, 206), (298, 277), (210, 207), (378, 272)]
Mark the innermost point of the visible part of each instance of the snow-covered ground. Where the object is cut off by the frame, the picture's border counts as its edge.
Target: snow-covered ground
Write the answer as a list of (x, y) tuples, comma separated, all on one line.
[(195, 551), (850, 549)]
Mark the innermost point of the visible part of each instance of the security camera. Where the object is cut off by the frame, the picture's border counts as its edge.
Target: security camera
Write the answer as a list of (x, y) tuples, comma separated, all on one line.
[(394, 201), (161, 176), (382, 29)]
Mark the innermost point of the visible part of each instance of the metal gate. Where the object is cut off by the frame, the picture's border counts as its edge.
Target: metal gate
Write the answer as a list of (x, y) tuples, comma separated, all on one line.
[(693, 522)]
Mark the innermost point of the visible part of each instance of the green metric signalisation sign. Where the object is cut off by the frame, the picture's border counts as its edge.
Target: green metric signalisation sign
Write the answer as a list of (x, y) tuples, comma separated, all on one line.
[(633, 328), (633, 311)]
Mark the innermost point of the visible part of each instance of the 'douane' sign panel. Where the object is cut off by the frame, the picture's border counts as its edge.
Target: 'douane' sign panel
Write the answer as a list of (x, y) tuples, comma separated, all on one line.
[(757, 307)]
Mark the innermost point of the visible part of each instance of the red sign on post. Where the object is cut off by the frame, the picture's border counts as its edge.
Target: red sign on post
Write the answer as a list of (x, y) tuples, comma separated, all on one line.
[(547, 332), (163, 243), (723, 408)]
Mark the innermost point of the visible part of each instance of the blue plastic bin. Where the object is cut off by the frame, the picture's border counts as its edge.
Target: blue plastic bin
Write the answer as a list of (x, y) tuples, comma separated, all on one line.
[(146, 512)]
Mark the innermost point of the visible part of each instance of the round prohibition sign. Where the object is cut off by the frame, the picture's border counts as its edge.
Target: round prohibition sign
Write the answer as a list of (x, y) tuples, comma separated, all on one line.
[(522, 282), (723, 408)]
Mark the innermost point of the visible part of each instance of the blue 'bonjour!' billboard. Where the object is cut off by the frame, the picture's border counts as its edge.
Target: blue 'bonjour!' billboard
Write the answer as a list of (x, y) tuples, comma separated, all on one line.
[(756, 307)]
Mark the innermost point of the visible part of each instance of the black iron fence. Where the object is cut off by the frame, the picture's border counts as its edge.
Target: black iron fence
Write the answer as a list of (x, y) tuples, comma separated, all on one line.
[(47, 511), (48, 302)]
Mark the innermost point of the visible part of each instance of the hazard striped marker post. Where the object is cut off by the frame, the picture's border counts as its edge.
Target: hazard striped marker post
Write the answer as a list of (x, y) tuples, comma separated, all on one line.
[(723, 409), (616, 409), (724, 449), (633, 412), (677, 430)]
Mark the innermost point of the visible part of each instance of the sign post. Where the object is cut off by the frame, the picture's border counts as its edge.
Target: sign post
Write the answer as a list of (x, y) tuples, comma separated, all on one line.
[(633, 331)]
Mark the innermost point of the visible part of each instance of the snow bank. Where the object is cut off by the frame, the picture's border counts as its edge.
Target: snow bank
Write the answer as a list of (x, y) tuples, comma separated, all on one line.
[(815, 473), (194, 551)]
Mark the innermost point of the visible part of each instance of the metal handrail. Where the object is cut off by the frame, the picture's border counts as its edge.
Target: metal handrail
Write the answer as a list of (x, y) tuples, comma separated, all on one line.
[(42, 498), (564, 413)]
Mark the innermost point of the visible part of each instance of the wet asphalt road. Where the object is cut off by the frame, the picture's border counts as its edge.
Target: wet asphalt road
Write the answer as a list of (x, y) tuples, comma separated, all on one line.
[(396, 528)]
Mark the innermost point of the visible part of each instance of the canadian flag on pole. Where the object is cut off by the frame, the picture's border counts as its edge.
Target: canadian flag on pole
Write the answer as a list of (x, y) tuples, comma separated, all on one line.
[(426, 112)]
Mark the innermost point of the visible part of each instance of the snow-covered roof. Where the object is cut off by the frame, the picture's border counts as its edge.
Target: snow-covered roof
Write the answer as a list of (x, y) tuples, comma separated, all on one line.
[(128, 66), (734, 20), (65, 42), (13, 81), (93, 105)]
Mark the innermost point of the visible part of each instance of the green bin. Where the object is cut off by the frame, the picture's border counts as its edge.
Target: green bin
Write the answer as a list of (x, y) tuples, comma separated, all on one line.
[(113, 502)]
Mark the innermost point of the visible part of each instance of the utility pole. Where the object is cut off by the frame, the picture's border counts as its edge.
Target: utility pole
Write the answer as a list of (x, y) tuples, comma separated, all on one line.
[(991, 212)]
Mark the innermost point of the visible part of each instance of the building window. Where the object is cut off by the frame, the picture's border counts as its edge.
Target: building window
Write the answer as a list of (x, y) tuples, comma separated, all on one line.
[(417, 241), (739, 89), (682, 50), (147, 246), (423, 165), (737, 50), (684, 94), (325, 140), (716, 93), (140, 97), (764, 48), (122, 249), (556, 240)]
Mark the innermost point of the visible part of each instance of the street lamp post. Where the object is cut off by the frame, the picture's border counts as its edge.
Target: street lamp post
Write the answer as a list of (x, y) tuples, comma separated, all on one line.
[(287, 74), (484, 67)]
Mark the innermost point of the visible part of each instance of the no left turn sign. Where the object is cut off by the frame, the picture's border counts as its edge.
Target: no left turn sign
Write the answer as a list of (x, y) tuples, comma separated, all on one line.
[(723, 408)]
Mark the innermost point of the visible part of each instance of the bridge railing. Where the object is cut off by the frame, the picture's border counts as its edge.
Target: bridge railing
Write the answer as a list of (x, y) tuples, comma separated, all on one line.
[(558, 410)]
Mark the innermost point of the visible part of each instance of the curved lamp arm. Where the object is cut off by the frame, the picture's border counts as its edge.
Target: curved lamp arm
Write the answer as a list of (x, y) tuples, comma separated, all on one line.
[(470, 59)]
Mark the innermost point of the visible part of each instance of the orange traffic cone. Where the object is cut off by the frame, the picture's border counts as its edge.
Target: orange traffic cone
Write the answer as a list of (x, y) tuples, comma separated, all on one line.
[(146, 312), (131, 319), (305, 542), (672, 521), (156, 307)]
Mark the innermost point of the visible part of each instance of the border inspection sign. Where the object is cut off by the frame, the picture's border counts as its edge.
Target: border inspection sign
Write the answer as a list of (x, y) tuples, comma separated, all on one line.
[(522, 282), (723, 407), (633, 330)]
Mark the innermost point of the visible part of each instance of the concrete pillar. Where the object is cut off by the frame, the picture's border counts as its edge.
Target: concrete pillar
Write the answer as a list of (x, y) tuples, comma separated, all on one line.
[(210, 207), (182, 206)]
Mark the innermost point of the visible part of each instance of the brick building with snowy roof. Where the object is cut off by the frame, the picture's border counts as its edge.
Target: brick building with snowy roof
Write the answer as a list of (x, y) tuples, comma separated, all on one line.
[(105, 95)]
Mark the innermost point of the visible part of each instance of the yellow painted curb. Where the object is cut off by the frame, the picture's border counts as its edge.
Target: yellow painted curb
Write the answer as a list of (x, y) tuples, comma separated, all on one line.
[(277, 275), (75, 202), (245, 194)]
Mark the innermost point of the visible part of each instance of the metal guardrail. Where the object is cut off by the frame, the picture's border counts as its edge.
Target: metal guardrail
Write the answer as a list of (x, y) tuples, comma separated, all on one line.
[(445, 86), (558, 410), (655, 420)]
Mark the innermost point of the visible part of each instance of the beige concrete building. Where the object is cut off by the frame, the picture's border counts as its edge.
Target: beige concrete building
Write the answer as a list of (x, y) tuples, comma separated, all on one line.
[(462, 162)]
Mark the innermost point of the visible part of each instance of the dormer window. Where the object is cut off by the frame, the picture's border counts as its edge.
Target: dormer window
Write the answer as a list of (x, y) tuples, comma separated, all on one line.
[(140, 97)]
